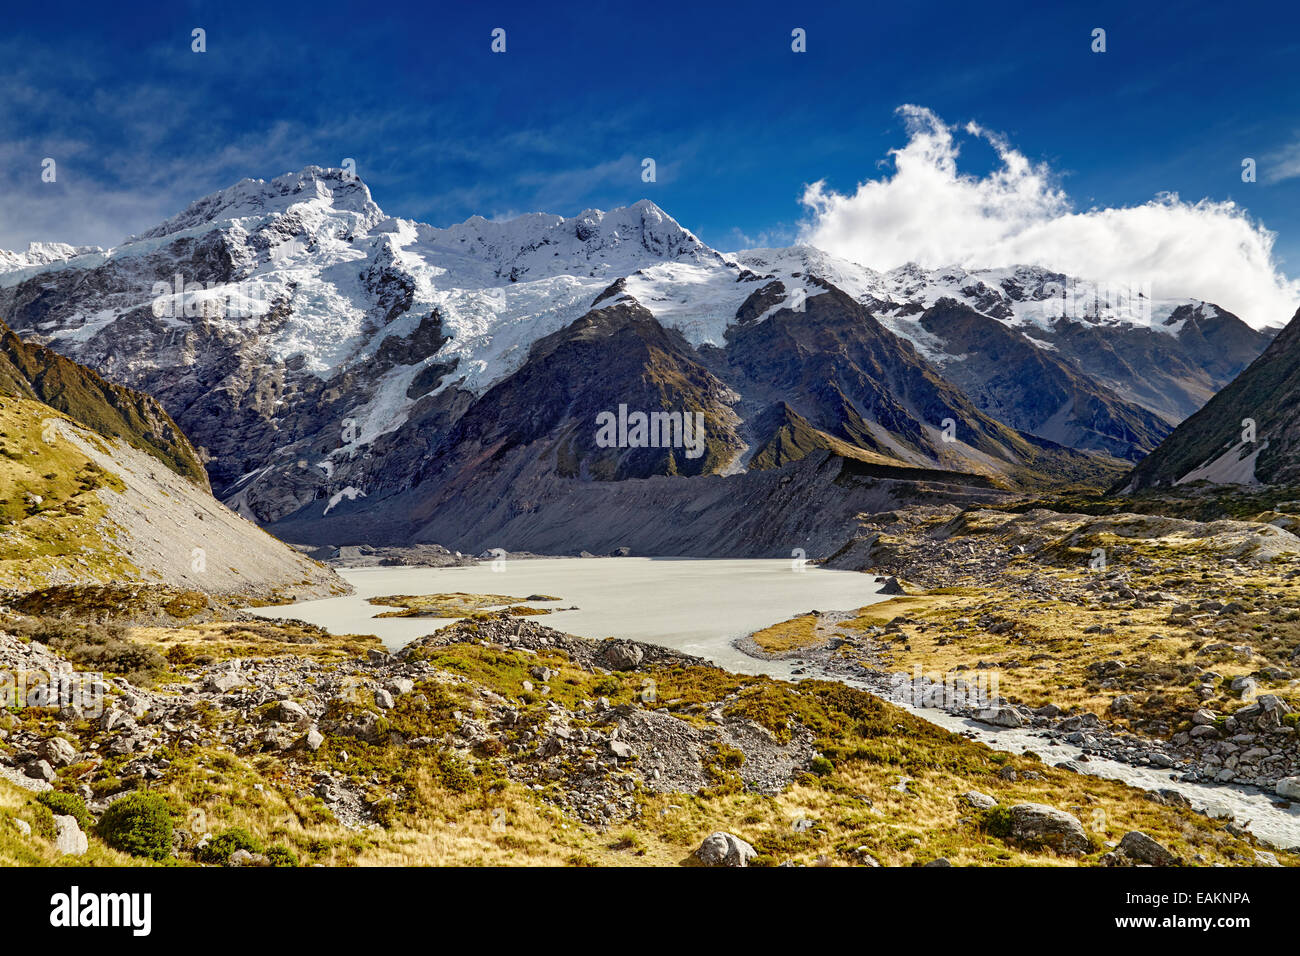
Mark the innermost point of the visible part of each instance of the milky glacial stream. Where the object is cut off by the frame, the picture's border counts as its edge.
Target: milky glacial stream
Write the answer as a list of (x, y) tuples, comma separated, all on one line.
[(700, 607)]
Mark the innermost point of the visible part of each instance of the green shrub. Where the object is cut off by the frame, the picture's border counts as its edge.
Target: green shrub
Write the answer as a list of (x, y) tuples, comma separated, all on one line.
[(139, 824), (821, 766), (455, 773), (281, 855), (97, 647), (67, 804), (997, 822), (219, 848)]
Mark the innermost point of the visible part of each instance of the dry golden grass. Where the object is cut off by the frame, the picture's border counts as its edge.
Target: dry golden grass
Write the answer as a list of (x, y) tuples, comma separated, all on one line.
[(798, 633), (222, 640), (1142, 638), (886, 611)]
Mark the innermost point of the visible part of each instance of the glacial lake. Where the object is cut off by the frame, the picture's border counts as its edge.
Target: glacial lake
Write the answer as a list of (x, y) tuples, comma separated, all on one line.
[(696, 606)]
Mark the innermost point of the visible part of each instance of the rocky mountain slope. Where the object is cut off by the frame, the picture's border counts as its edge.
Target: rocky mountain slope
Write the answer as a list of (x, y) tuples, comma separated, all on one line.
[(1149, 347), (43, 375), (98, 485), (326, 357), (1035, 389), (523, 461), (1249, 433)]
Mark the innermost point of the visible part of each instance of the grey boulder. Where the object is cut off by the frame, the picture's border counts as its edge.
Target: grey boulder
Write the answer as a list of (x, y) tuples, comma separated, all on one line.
[(68, 836), (1040, 824), (725, 849)]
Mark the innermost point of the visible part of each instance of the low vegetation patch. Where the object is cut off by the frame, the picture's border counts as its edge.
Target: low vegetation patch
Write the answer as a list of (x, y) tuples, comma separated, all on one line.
[(457, 604)]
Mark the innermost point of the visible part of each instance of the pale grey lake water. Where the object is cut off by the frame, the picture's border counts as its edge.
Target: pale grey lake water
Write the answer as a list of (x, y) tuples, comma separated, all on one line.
[(695, 606)]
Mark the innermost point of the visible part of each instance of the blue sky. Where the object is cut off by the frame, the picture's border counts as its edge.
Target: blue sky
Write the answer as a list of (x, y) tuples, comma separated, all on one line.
[(441, 128)]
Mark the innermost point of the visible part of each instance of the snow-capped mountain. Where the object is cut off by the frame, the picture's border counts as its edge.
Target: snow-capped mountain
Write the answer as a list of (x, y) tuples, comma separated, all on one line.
[(1166, 353), (324, 354)]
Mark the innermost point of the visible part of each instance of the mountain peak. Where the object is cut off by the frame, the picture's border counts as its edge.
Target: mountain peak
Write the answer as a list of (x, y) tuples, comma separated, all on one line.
[(595, 242), (334, 190)]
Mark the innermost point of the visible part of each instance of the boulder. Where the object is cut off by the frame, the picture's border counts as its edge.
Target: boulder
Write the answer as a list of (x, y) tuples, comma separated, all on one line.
[(58, 752), (245, 858), (725, 849), (621, 655), (1269, 703), (1288, 787), (1085, 721), (1000, 717), (224, 682), (980, 801), (891, 586), (1138, 846), (115, 719), (1123, 704), (288, 712), (1040, 824), (68, 837)]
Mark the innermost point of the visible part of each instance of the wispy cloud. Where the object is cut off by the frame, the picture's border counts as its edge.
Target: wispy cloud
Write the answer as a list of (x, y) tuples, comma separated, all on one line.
[(1281, 164)]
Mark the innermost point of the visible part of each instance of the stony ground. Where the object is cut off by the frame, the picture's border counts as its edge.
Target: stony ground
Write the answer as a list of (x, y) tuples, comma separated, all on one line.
[(1152, 640), (501, 741)]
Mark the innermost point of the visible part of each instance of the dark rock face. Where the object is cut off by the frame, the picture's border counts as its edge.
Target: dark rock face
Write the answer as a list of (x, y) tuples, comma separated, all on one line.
[(1267, 396), (1035, 390), (1171, 375), (849, 378)]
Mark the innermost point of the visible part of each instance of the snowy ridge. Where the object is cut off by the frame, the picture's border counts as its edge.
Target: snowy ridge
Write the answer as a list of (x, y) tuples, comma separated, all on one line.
[(315, 243), (42, 253), (1024, 296)]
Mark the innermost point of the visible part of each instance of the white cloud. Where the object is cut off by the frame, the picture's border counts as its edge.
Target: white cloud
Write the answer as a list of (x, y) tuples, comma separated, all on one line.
[(929, 212)]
